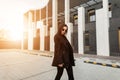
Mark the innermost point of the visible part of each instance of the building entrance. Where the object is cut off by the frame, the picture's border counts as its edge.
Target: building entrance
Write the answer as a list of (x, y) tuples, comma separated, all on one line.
[(119, 38)]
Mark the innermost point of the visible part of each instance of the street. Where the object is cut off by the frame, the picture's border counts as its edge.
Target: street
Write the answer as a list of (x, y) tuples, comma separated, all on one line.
[(23, 66)]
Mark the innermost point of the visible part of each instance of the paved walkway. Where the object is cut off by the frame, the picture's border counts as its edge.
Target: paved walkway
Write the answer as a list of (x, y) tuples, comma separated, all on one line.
[(110, 61), (21, 65), (50, 54), (93, 59)]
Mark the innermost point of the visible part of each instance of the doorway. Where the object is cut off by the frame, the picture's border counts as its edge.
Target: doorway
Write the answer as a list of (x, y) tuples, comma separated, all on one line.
[(119, 38)]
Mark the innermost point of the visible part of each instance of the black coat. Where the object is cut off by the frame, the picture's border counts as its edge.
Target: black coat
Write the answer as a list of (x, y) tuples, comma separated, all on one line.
[(63, 52)]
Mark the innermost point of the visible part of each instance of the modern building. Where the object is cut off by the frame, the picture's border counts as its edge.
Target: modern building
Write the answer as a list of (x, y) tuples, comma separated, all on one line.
[(94, 26)]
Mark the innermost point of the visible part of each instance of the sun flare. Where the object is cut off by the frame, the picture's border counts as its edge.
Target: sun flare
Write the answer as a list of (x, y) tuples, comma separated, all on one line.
[(16, 34), (11, 17), (13, 27)]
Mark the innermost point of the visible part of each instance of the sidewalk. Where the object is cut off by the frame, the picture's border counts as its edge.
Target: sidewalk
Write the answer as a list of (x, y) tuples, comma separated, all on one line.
[(29, 65), (90, 56), (110, 61)]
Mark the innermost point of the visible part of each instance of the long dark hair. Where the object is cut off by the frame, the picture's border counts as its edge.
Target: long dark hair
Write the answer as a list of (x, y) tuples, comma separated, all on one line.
[(60, 27)]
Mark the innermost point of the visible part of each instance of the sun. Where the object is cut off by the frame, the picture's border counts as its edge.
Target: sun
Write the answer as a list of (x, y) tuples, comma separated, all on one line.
[(11, 34), (11, 16), (14, 27), (16, 34)]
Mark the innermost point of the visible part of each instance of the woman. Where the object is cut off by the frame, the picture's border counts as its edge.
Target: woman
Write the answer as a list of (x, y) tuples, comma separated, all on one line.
[(63, 54)]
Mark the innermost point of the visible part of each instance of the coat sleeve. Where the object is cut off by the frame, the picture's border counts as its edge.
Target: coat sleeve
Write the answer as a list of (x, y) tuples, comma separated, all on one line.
[(58, 56)]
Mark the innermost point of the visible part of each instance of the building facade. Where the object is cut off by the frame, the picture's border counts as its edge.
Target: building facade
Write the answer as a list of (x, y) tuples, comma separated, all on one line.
[(94, 26)]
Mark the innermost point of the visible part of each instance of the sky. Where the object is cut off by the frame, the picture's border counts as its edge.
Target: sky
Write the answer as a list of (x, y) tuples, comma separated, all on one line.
[(11, 12)]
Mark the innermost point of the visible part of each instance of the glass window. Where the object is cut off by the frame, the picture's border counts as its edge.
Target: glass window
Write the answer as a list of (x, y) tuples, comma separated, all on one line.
[(91, 15), (87, 38), (75, 19), (110, 10)]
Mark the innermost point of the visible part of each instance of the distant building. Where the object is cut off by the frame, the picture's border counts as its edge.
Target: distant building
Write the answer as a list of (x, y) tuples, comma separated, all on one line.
[(91, 44)]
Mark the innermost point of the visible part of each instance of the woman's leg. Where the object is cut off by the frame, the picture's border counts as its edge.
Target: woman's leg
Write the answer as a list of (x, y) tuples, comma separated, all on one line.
[(70, 72), (59, 73)]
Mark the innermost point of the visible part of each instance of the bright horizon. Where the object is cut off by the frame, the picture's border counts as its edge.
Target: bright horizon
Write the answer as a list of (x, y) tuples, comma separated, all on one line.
[(11, 16), (13, 22)]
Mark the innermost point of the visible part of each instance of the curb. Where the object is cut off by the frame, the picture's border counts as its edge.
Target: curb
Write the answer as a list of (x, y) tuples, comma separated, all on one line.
[(102, 64), (40, 53), (46, 55)]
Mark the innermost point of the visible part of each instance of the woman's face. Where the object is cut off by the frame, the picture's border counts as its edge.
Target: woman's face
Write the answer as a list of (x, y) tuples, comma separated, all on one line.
[(64, 30)]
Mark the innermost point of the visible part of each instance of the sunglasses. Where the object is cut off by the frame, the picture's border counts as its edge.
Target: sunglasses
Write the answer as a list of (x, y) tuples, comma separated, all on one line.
[(64, 30)]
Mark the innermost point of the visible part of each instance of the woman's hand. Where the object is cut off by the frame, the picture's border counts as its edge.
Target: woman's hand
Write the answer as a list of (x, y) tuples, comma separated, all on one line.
[(60, 65)]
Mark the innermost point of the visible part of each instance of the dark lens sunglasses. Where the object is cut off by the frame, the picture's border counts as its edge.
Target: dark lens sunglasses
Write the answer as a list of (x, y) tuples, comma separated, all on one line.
[(64, 30)]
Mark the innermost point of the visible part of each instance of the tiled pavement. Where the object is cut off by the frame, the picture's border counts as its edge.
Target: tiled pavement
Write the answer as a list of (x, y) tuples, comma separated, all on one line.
[(16, 66)]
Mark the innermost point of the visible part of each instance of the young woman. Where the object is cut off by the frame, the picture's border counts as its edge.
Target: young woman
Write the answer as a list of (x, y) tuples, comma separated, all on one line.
[(63, 54)]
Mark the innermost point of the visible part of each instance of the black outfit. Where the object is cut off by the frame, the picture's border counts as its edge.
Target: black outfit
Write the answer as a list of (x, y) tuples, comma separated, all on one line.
[(63, 54)]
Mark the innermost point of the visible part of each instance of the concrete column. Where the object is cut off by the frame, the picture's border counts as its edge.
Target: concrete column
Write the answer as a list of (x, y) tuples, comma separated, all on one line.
[(25, 24), (22, 44), (102, 30), (42, 34), (40, 14), (52, 39), (54, 23), (42, 37), (81, 29), (67, 20), (34, 24), (67, 11), (54, 14), (46, 27), (69, 33), (40, 22), (106, 23), (30, 32)]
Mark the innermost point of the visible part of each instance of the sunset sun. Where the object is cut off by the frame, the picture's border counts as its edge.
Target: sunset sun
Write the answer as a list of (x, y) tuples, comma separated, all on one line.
[(11, 17)]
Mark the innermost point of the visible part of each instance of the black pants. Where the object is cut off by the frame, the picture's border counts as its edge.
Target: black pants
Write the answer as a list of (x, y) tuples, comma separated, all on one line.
[(60, 72)]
